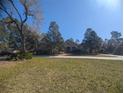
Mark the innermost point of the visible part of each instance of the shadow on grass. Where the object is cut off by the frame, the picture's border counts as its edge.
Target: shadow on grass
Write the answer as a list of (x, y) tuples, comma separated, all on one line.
[(5, 59)]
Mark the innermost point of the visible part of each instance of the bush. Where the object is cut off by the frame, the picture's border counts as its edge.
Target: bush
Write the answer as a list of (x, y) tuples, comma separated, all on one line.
[(42, 52), (4, 53), (28, 55), (20, 56)]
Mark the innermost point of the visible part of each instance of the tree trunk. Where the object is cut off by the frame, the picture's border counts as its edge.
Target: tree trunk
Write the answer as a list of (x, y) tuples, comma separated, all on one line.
[(90, 51), (36, 44), (23, 46)]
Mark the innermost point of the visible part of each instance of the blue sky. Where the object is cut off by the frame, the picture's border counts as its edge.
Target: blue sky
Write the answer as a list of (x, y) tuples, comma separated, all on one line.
[(75, 16)]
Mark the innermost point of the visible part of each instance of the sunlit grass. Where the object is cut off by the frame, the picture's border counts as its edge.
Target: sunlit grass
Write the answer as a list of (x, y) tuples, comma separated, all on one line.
[(41, 75)]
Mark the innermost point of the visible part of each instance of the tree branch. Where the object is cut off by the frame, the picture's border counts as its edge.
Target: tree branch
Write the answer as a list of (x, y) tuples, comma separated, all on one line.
[(11, 17), (26, 13), (16, 9)]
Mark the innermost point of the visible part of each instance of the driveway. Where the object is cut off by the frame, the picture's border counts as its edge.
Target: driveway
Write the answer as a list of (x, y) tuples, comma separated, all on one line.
[(88, 57)]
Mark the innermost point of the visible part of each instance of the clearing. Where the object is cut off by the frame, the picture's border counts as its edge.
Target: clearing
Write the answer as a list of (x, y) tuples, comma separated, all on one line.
[(44, 75)]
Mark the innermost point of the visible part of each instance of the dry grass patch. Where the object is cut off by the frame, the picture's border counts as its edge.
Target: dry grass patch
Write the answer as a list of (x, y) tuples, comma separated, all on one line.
[(7, 64), (42, 75)]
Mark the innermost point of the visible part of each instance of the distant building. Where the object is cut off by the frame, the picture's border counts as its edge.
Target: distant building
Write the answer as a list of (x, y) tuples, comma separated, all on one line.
[(70, 46)]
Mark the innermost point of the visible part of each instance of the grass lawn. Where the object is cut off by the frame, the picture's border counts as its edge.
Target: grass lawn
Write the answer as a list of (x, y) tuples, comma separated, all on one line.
[(42, 75)]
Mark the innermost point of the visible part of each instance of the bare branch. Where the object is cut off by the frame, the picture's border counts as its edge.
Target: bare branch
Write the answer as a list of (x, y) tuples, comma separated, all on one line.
[(16, 10), (12, 19), (26, 13)]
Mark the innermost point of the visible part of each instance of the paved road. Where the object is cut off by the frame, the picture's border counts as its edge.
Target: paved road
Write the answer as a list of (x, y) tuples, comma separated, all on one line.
[(87, 57)]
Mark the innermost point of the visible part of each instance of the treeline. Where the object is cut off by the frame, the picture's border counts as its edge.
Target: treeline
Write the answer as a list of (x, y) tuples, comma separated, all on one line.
[(18, 40), (52, 42)]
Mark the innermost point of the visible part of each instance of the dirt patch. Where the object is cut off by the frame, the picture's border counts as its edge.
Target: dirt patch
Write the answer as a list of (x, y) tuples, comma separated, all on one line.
[(7, 63)]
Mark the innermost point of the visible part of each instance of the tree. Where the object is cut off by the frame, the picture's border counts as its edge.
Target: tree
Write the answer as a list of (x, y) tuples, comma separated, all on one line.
[(14, 38), (119, 49), (115, 35), (32, 39), (4, 37), (14, 14), (71, 46), (10, 40), (91, 42), (44, 45), (115, 44), (55, 38), (104, 46)]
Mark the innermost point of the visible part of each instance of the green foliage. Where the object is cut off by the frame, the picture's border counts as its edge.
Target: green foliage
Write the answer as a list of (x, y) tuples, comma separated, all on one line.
[(28, 55), (55, 38), (72, 46), (53, 43), (4, 37), (115, 35), (20, 56), (92, 42), (14, 38), (115, 44)]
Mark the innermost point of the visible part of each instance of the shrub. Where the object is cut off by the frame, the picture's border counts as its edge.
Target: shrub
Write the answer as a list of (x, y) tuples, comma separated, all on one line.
[(42, 52), (20, 56), (28, 55)]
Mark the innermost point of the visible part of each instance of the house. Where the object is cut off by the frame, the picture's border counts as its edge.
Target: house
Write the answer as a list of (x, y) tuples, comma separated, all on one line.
[(70, 46)]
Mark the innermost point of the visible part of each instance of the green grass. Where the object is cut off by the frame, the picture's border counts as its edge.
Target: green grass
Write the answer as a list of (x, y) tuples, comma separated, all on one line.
[(41, 75)]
